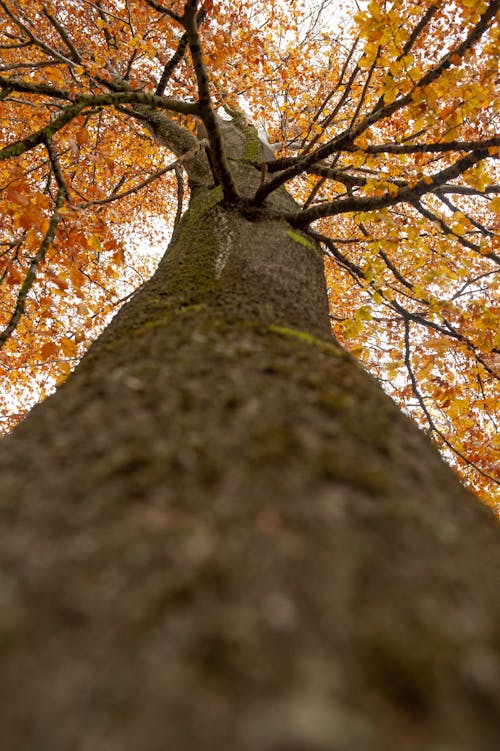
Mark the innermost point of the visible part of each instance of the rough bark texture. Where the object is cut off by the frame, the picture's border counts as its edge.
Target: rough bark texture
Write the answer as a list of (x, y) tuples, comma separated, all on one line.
[(221, 534)]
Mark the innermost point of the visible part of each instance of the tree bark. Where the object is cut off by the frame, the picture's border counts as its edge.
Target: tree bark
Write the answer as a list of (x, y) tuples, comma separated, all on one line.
[(221, 534)]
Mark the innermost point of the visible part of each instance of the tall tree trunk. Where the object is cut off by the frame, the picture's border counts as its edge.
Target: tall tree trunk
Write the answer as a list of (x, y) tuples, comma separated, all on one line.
[(221, 534)]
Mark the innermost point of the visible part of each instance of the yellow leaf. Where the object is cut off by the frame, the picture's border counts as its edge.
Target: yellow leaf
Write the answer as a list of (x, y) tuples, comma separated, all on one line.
[(458, 407), (68, 347), (364, 313), (55, 76), (14, 276), (94, 243)]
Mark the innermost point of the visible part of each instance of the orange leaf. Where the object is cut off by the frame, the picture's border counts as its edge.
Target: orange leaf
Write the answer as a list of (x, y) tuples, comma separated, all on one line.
[(82, 136), (48, 350), (15, 276)]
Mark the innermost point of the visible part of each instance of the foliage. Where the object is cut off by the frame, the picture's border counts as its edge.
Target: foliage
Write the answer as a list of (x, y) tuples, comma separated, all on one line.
[(384, 120)]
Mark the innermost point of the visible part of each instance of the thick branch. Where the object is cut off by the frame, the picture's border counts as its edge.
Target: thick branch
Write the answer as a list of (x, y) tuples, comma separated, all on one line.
[(176, 57), (403, 194), (103, 100), (15, 84), (164, 11), (435, 148), (172, 64)]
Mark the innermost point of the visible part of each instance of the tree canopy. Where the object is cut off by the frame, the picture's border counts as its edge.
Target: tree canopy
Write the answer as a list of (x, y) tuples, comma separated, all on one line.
[(382, 124)]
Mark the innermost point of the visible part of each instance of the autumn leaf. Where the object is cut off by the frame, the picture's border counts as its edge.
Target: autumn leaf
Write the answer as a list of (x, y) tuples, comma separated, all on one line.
[(68, 347), (49, 350)]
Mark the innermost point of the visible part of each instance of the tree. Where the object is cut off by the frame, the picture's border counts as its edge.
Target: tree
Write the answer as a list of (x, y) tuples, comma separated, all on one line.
[(401, 123), (220, 533)]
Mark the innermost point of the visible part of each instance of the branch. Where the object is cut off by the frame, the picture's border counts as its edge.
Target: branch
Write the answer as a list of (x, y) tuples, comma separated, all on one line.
[(403, 194), (31, 274), (56, 166), (63, 34), (448, 231), (418, 148), (329, 118), (69, 113), (365, 88), (180, 195), (339, 176), (430, 12), (33, 38), (218, 162), (358, 274), (172, 64), (136, 188), (15, 84), (164, 11), (423, 407), (345, 95), (177, 56), (478, 225), (466, 190), (108, 36)]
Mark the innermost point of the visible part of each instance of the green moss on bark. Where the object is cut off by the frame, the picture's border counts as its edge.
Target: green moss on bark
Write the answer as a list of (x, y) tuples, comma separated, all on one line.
[(301, 239), (328, 348)]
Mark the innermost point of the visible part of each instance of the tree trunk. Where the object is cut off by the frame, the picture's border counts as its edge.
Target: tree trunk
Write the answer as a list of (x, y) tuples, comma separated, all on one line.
[(221, 534)]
